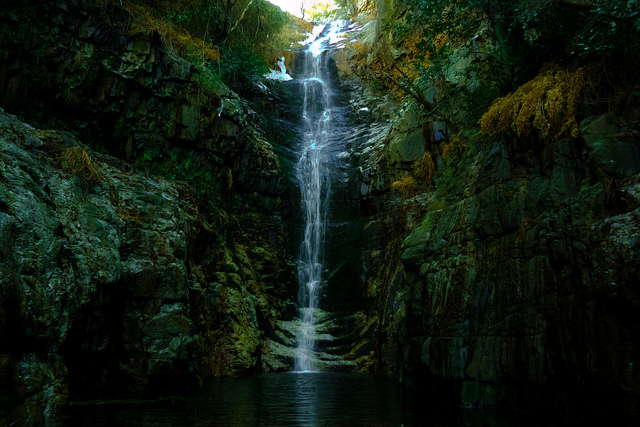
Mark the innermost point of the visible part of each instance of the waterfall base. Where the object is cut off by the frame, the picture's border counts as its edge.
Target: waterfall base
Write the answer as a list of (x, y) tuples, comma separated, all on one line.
[(334, 341)]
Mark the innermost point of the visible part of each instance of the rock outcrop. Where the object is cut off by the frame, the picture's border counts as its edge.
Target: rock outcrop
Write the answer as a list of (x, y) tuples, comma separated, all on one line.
[(117, 281), (509, 276), (518, 285), (122, 282)]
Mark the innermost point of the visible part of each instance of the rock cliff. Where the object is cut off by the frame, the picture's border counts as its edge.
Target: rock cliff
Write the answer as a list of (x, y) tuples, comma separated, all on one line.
[(117, 279), (506, 274)]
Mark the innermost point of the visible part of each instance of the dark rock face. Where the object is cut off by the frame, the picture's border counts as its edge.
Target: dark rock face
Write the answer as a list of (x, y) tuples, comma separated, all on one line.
[(93, 71), (511, 279), (517, 284), (124, 283)]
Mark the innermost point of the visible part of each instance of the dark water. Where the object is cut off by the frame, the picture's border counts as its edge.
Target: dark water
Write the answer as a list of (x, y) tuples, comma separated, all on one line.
[(290, 399)]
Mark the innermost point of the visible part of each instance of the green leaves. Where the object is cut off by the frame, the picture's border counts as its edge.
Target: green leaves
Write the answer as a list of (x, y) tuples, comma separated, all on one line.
[(244, 31), (182, 166), (610, 26), (239, 66)]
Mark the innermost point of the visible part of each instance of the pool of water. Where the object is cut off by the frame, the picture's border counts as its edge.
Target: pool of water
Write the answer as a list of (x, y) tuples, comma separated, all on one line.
[(289, 399)]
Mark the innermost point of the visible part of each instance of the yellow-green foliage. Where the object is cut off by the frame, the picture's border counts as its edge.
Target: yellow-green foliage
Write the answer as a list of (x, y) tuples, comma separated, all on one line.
[(455, 146), (296, 30), (291, 34), (424, 169), (193, 48), (405, 186), (320, 10), (446, 151), (416, 59), (548, 103), (76, 161)]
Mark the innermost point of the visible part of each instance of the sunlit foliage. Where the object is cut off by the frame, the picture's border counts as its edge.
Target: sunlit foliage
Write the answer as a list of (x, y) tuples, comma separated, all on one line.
[(548, 103), (352, 7), (405, 186), (321, 10), (238, 38)]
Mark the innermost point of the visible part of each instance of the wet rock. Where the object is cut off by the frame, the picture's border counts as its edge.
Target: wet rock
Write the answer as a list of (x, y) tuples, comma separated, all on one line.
[(516, 281), (113, 285), (614, 148)]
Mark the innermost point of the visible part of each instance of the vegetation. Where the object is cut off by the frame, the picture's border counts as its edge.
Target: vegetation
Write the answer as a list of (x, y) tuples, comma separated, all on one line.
[(194, 169), (236, 39), (350, 8), (321, 11), (425, 169), (421, 179), (496, 46), (229, 42), (29, 32), (548, 103), (222, 22), (195, 49), (591, 27), (406, 186), (77, 161), (508, 66)]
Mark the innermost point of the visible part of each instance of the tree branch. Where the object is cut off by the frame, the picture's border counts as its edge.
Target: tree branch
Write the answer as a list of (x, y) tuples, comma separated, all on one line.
[(240, 19)]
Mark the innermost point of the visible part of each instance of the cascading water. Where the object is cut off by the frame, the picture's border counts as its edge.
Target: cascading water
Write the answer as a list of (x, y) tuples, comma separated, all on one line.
[(314, 180)]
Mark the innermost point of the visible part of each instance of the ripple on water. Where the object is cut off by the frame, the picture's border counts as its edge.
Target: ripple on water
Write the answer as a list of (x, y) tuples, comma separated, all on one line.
[(289, 399)]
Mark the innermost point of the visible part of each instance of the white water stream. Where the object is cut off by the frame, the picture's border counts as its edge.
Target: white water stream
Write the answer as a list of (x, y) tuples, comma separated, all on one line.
[(313, 177)]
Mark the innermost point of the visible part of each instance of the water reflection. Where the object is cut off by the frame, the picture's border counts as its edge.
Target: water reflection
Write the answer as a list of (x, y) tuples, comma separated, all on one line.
[(304, 399), (292, 399)]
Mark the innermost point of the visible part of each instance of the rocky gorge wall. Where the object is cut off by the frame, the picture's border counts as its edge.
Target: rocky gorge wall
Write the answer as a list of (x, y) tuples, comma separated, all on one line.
[(510, 278), (116, 281), (517, 286)]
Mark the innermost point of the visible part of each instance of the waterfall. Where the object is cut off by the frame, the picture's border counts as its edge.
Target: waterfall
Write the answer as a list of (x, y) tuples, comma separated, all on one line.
[(314, 181)]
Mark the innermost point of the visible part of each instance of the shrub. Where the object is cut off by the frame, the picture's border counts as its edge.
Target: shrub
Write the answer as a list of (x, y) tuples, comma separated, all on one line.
[(192, 48), (548, 102), (192, 168), (235, 38), (77, 161), (424, 169), (405, 186)]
